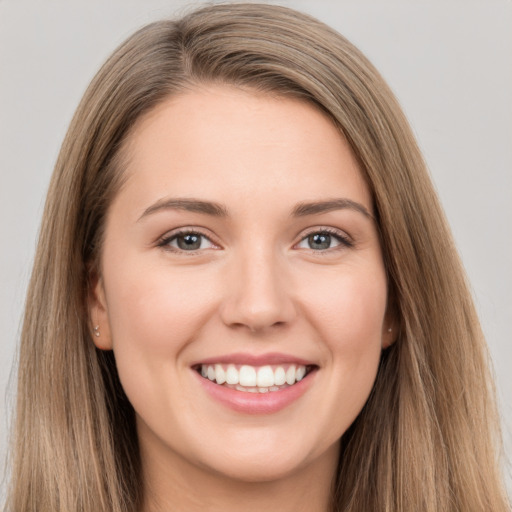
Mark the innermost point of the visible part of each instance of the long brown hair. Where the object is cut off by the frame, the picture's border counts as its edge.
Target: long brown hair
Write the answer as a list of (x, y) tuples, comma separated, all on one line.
[(428, 437)]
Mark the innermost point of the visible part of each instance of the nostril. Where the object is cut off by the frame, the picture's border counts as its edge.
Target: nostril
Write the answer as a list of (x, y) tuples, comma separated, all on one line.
[(257, 302)]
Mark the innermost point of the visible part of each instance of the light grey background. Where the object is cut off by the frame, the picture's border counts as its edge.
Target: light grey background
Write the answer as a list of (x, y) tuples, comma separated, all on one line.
[(449, 62)]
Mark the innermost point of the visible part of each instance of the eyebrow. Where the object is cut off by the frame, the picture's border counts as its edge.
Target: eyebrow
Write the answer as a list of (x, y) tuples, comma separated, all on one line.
[(218, 210), (190, 205), (318, 207)]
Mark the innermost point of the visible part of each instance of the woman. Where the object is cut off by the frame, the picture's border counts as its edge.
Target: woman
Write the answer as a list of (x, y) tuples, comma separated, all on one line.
[(245, 293)]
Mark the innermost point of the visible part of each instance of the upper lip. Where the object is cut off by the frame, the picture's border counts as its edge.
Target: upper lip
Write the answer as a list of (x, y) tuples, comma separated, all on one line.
[(273, 358)]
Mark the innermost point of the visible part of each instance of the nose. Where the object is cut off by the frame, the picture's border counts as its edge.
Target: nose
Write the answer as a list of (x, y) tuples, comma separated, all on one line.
[(258, 294)]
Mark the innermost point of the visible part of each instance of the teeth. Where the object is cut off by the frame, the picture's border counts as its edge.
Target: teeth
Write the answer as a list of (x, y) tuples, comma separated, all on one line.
[(290, 375), (279, 376), (220, 374), (254, 380), (265, 377), (247, 376), (231, 374)]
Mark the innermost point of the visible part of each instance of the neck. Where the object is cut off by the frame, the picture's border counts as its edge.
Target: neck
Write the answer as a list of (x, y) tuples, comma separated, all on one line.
[(173, 483)]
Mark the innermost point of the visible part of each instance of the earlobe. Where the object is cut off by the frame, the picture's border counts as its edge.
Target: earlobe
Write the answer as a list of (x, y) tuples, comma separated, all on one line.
[(389, 335), (390, 326), (98, 315)]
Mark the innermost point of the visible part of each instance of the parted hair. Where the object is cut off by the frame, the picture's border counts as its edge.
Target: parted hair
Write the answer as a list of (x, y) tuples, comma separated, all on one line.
[(427, 440)]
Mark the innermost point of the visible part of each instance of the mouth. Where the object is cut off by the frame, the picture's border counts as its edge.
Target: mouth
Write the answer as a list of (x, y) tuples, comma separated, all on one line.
[(255, 379)]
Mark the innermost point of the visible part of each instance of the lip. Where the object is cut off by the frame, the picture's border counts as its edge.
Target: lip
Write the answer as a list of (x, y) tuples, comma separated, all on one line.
[(256, 403), (271, 358)]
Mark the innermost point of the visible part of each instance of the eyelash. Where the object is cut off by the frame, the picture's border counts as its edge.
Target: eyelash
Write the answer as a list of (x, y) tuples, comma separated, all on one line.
[(344, 241), (166, 240)]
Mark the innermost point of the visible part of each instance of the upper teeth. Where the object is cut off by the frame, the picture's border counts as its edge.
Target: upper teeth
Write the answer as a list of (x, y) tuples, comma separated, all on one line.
[(251, 376)]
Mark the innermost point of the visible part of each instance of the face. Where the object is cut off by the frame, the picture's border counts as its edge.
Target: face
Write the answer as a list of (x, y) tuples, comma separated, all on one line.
[(242, 286)]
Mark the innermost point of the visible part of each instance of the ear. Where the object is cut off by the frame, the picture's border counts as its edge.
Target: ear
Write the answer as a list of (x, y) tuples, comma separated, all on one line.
[(390, 326), (98, 314), (389, 333)]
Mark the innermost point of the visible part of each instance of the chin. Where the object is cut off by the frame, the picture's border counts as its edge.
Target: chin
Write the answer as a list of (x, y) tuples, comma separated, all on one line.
[(265, 469), (267, 459)]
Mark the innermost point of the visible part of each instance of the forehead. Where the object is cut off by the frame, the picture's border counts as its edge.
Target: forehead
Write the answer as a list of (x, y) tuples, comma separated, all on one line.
[(220, 140)]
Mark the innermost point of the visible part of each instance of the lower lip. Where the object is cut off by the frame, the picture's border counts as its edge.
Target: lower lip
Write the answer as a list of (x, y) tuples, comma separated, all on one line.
[(256, 403)]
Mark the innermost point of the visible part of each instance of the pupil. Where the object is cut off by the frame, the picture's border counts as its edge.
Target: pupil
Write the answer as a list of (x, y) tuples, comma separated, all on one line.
[(189, 242), (319, 241)]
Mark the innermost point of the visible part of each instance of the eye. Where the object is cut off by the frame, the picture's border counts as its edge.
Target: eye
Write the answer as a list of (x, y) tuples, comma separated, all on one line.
[(187, 241), (323, 240)]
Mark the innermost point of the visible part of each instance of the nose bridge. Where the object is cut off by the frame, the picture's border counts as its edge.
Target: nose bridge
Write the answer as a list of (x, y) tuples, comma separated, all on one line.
[(259, 294)]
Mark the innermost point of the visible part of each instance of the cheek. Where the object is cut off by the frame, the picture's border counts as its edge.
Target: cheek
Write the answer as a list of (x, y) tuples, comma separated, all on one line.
[(348, 314), (154, 313), (348, 308), (354, 341)]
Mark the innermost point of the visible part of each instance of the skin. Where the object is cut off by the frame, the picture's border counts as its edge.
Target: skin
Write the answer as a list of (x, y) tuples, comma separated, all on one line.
[(255, 286)]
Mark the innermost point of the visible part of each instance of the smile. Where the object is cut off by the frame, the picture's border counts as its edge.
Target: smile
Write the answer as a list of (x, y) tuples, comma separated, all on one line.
[(255, 384), (254, 379)]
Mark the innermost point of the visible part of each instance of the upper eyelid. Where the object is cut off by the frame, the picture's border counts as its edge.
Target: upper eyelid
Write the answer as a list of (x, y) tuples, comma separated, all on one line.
[(186, 230), (324, 229)]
